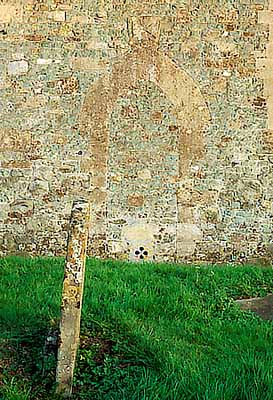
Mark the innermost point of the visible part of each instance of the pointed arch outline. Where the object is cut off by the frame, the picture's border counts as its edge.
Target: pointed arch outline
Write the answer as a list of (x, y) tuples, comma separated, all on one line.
[(143, 63)]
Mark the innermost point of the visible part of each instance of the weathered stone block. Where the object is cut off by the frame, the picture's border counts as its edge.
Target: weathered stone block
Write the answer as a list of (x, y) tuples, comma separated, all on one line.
[(187, 236), (18, 67)]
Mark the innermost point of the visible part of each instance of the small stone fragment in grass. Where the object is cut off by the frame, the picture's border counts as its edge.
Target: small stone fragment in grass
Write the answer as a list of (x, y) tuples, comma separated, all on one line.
[(262, 306)]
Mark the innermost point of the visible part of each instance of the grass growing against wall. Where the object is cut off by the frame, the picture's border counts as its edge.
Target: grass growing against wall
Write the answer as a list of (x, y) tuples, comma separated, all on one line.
[(149, 332)]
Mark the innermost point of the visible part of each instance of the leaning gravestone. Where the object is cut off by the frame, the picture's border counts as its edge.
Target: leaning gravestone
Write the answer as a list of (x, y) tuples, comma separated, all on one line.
[(72, 296)]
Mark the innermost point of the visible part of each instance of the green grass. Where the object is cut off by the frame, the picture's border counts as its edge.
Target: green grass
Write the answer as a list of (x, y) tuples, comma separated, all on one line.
[(149, 332)]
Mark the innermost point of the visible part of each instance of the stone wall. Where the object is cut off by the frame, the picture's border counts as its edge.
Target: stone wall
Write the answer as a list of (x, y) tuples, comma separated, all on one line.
[(159, 112)]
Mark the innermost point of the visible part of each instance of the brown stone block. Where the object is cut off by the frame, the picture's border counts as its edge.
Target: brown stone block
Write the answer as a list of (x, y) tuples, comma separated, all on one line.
[(129, 112), (224, 142), (21, 208), (248, 34), (12, 140), (97, 246), (186, 214), (33, 153), (135, 200), (190, 197), (98, 180), (267, 137), (16, 164), (98, 197), (62, 4), (225, 61), (184, 15), (93, 164), (259, 102), (87, 64), (100, 133), (59, 139), (68, 85), (227, 16), (86, 165), (257, 7), (35, 38), (68, 167), (97, 148)]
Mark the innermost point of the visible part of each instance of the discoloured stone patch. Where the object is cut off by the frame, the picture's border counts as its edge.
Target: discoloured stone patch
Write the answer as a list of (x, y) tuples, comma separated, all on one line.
[(146, 63)]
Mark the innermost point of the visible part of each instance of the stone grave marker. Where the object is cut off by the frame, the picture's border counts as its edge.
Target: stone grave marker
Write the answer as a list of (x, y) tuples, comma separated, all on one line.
[(72, 296)]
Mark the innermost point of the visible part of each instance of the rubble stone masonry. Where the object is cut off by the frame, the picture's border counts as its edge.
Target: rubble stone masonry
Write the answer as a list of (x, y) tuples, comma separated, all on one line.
[(159, 112)]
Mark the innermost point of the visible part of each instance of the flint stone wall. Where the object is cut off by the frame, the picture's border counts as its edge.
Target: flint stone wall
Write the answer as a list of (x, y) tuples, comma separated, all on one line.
[(159, 112)]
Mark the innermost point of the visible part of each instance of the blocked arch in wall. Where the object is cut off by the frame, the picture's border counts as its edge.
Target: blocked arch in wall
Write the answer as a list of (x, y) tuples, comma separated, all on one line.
[(189, 107)]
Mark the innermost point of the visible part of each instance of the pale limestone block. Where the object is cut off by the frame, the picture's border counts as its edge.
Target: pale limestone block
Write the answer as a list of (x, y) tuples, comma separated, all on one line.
[(87, 64), (35, 101), (224, 45), (227, 73), (96, 44), (265, 17), (144, 174), (139, 235), (57, 16), (44, 61), (187, 236), (2, 81), (117, 247), (18, 67), (259, 54), (8, 13), (81, 19)]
